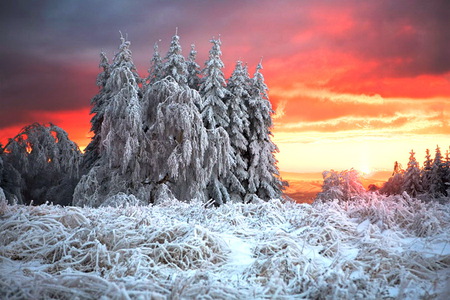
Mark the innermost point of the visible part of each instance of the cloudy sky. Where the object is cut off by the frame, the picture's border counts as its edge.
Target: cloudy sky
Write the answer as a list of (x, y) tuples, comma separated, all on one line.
[(354, 83)]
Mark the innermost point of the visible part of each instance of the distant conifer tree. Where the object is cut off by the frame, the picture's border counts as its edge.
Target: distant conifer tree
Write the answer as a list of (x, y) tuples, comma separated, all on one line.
[(426, 172), (447, 171), (437, 187), (412, 183), (394, 185)]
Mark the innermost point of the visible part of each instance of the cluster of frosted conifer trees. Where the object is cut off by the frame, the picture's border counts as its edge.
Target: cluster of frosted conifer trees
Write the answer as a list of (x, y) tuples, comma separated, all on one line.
[(183, 132), (432, 181)]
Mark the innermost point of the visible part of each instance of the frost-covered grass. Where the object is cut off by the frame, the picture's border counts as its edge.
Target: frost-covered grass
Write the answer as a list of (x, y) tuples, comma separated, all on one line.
[(374, 248)]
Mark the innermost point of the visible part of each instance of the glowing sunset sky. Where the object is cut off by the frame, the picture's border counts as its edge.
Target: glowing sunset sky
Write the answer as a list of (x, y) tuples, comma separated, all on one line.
[(354, 83)]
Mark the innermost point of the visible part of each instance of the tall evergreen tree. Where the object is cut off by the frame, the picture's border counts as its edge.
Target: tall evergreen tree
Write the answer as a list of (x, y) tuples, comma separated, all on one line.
[(175, 64), (193, 70), (98, 103), (264, 177), (215, 118), (118, 167), (412, 183), (237, 129), (213, 90)]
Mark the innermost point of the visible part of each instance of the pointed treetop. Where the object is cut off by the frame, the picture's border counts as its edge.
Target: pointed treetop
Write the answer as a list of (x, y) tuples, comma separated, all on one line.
[(124, 55), (175, 65), (259, 67), (215, 50), (155, 71), (156, 47), (193, 53), (124, 41), (103, 76), (103, 60)]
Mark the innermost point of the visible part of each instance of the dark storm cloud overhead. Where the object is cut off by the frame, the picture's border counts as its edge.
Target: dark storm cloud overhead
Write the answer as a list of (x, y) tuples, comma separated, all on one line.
[(58, 26), (379, 29), (29, 84), (415, 33)]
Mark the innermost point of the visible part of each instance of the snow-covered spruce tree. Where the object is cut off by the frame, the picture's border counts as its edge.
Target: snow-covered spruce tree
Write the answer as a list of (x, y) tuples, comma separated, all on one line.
[(215, 118), (412, 183), (425, 173), (193, 70), (40, 164), (264, 177), (118, 168), (213, 90), (155, 73), (98, 103), (179, 143), (175, 64), (437, 187), (237, 130)]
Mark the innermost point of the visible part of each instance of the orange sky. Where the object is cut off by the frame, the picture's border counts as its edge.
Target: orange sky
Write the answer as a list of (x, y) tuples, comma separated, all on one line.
[(354, 83)]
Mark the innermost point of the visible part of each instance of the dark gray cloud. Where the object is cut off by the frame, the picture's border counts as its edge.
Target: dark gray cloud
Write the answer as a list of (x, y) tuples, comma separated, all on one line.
[(31, 84), (415, 31)]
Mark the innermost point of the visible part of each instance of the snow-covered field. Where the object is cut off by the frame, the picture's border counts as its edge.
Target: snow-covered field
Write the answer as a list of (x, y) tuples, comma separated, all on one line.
[(373, 249)]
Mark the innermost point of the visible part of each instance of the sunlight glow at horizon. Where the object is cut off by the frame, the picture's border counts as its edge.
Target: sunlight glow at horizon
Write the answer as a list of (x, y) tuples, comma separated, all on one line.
[(366, 154)]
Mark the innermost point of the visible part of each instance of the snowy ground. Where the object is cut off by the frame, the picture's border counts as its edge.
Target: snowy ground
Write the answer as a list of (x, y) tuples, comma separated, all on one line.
[(372, 249)]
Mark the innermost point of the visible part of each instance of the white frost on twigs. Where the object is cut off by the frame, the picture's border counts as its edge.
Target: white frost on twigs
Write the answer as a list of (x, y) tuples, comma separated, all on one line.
[(382, 247)]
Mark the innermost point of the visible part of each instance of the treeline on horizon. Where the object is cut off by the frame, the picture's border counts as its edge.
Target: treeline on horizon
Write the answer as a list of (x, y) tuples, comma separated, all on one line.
[(182, 132), (431, 182)]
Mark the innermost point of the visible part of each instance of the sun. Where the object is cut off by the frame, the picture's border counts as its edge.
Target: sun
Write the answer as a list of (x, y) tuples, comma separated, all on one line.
[(365, 170)]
